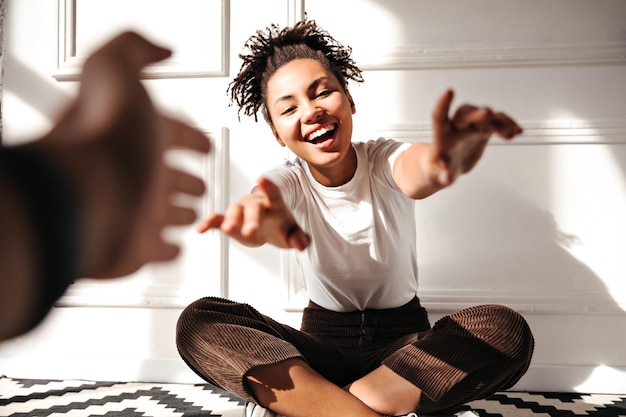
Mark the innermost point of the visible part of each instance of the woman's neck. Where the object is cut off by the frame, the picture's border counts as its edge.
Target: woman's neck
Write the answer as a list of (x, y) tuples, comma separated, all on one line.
[(338, 174)]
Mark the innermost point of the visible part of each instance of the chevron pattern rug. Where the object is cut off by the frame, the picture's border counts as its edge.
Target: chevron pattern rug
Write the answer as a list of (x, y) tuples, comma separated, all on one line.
[(77, 398)]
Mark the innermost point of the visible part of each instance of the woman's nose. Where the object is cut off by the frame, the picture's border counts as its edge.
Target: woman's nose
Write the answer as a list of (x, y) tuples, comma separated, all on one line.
[(312, 112)]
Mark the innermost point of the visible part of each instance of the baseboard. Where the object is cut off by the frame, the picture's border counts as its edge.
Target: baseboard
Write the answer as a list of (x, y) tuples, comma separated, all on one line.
[(590, 379), (543, 378), (164, 370)]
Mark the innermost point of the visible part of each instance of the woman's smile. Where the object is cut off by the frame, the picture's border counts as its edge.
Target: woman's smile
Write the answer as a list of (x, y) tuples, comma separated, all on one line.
[(322, 134)]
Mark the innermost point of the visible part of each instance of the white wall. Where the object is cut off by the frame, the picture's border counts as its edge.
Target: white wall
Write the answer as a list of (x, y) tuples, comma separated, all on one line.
[(539, 225)]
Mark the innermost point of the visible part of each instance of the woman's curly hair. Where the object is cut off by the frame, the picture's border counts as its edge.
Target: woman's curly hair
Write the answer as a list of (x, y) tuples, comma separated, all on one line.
[(272, 48)]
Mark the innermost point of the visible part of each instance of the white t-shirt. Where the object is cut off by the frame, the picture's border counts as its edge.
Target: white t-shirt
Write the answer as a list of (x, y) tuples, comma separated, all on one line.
[(362, 251)]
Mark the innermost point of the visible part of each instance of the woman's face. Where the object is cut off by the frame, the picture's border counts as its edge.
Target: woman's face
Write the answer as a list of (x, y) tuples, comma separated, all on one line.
[(312, 115)]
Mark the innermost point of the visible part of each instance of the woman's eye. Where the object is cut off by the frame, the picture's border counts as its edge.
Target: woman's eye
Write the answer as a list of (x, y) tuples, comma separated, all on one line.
[(288, 111), (324, 93)]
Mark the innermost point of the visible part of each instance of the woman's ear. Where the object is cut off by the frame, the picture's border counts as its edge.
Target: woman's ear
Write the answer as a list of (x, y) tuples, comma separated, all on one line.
[(352, 105), (278, 139)]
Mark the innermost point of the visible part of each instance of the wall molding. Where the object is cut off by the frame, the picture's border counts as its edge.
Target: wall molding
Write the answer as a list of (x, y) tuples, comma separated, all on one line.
[(98, 294), (589, 379), (537, 132), (143, 291), (526, 301), (295, 11), (529, 301), (70, 62), (472, 55)]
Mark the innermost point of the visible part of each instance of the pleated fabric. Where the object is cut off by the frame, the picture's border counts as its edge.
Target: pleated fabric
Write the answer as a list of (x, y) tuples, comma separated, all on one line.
[(465, 356)]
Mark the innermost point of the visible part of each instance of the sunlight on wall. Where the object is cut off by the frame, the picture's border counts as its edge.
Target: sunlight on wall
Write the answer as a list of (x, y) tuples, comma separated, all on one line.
[(369, 39), (604, 379), (378, 40), (589, 199), (20, 110)]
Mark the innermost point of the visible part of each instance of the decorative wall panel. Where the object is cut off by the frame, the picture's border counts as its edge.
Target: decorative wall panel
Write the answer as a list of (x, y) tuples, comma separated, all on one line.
[(196, 31), (201, 268)]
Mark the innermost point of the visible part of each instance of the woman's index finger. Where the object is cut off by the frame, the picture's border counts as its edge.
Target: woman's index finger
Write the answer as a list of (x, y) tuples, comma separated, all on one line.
[(271, 191)]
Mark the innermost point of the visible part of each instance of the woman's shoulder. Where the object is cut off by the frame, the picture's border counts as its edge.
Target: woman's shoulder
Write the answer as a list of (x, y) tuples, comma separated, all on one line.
[(288, 173), (378, 148)]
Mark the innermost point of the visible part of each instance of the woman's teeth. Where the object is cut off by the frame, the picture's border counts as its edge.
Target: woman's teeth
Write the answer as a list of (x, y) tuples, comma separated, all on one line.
[(321, 134)]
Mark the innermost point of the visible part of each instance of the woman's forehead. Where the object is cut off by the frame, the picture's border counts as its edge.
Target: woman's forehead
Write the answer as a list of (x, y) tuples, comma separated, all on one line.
[(300, 73)]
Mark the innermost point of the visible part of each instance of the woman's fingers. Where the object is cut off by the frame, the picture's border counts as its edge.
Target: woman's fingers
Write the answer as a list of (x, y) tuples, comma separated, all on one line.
[(483, 120), (271, 192), (505, 126), (469, 117), (289, 233), (441, 121), (212, 221)]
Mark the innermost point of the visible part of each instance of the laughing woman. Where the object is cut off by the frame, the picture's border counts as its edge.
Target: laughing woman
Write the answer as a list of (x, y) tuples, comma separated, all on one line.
[(365, 346)]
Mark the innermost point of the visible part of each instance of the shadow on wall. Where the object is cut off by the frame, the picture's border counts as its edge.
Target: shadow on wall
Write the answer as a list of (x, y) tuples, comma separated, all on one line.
[(486, 236)]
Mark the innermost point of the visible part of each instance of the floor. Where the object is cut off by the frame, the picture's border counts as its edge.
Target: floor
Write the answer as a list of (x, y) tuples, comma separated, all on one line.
[(75, 398)]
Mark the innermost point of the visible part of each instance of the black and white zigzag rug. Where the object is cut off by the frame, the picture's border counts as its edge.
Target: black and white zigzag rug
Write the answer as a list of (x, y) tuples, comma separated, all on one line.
[(73, 398)]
